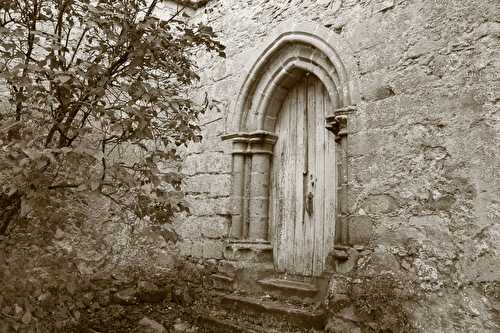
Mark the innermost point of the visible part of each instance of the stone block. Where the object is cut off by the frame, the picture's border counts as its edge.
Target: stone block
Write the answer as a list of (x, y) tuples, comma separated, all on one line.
[(382, 5), (147, 325), (213, 249), (201, 205), (249, 252), (214, 185), (424, 46), (188, 228), (185, 247), (166, 260), (376, 86), (380, 56), (391, 231), (380, 204), (197, 249), (444, 203), (369, 142), (430, 223), (125, 297), (149, 292), (211, 143), (379, 262), (210, 162), (213, 128), (208, 226), (436, 233), (360, 229), (222, 282), (218, 72), (214, 226), (374, 31), (348, 265)]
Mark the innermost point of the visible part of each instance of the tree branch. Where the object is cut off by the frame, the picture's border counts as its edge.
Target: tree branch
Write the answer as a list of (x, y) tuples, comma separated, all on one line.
[(151, 8), (77, 47)]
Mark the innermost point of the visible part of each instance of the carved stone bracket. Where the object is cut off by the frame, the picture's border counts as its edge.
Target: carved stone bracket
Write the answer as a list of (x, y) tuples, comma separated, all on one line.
[(336, 122)]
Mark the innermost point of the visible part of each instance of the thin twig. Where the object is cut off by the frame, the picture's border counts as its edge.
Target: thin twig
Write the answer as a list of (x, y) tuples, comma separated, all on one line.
[(77, 46)]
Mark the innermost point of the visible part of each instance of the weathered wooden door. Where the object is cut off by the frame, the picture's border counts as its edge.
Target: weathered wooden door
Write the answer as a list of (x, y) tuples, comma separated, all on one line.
[(303, 181)]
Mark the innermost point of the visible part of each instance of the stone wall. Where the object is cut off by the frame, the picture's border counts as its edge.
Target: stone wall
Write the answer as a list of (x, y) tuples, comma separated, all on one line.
[(424, 169)]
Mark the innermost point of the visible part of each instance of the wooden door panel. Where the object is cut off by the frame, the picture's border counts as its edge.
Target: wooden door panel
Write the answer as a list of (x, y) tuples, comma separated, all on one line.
[(303, 181)]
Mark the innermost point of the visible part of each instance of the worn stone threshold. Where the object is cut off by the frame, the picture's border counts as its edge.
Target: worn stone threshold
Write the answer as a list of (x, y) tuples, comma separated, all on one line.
[(294, 315)]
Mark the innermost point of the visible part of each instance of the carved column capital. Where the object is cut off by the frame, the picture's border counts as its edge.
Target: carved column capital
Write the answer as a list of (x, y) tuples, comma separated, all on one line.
[(257, 142)]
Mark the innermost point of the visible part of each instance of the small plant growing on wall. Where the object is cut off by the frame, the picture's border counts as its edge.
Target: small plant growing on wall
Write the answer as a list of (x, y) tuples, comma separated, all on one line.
[(96, 102)]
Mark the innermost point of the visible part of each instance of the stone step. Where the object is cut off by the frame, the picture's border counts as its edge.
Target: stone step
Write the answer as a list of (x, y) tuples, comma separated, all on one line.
[(271, 311), (244, 274), (222, 282), (289, 288)]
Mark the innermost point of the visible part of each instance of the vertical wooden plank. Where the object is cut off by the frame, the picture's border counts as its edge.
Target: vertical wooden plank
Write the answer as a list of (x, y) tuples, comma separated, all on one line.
[(275, 209), (283, 171), (310, 221), (319, 196), (330, 183), (291, 188), (302, 148), (285, 185), (292, 205)]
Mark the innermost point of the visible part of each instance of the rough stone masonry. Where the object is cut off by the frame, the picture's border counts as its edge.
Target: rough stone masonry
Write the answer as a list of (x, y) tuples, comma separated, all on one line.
[(415, 123), (420, 151)]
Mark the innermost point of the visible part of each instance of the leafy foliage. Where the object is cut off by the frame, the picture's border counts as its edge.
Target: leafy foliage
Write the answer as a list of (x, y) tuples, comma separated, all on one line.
[(43, 289), (97, 101)]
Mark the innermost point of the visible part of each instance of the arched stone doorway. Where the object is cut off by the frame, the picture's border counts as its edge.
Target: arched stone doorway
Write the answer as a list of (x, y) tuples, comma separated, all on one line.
[(291, 109)]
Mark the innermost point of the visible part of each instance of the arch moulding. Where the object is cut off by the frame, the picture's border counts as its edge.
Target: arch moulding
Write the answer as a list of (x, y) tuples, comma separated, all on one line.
[(289, 53)]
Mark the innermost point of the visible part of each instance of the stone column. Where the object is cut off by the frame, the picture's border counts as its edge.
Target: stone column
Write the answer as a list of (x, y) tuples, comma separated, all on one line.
[(337, 123), (250, 191), (238, 173), (261, 150)]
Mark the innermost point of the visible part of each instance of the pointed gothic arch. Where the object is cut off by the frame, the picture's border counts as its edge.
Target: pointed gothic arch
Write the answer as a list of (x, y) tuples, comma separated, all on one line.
[(289, 54)]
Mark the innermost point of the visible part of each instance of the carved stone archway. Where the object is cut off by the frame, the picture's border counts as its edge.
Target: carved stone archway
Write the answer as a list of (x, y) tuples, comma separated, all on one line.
[(288, 54)]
